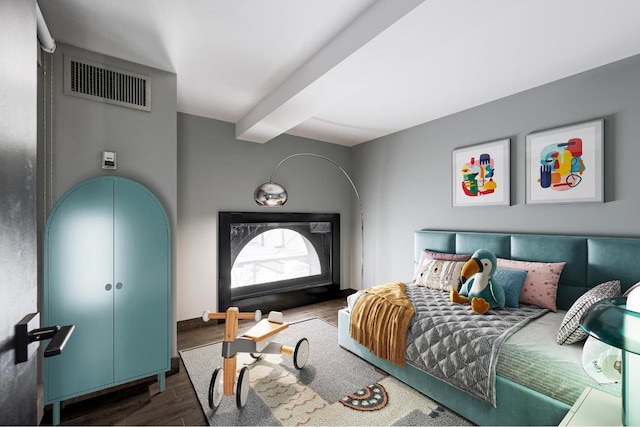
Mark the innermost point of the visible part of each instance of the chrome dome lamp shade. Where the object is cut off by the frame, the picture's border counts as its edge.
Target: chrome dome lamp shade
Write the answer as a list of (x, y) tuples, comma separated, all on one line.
[(270, 194)]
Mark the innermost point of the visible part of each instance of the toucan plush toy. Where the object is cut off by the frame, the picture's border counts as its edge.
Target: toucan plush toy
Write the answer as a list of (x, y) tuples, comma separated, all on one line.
[(480, 289)]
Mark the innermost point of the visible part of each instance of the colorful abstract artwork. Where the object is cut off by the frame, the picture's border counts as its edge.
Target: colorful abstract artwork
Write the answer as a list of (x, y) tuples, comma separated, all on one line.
[(561, 165), (477, 176), (565, 164), (481, 174)]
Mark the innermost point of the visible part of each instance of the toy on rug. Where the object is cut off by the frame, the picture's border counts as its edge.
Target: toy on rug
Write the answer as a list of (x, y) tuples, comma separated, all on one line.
[(480, 289), (256, 341)]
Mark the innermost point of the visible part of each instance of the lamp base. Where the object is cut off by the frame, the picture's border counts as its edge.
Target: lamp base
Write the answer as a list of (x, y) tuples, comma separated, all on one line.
[(630, 389), (631, 368)]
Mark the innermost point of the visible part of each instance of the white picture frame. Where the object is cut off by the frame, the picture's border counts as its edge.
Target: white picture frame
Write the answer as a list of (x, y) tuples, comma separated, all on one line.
[(566, 164), (481, 174)]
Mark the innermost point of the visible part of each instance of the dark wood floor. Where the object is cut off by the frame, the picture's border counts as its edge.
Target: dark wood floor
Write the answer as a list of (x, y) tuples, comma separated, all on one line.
[(178, 405)]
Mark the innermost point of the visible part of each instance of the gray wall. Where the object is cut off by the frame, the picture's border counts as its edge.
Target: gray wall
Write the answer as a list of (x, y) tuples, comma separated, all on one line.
[(403, 179), (405, 183), (146, 142), (219, 173)]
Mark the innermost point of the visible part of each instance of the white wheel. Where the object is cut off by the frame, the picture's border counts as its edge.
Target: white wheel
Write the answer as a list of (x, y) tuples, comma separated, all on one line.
[(216, 389), (301, 353), (242, 387)]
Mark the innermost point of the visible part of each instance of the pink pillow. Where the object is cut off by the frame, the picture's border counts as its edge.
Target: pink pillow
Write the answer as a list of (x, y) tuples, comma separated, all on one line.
[(541, 284), (442, 256)]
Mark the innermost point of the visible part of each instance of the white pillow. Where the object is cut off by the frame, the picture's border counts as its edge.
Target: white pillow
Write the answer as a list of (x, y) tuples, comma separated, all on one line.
[(439, 274), (570, 331)]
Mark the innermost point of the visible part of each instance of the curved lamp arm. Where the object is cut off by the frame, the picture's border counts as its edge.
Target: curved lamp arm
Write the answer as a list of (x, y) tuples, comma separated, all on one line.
[(273, 194)]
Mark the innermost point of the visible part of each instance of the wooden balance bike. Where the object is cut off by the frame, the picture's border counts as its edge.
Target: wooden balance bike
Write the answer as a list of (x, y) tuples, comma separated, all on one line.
[(256, 341)]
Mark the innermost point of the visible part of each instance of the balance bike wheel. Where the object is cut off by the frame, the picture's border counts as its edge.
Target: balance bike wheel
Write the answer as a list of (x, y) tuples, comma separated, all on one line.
[(301, 353), (216, 388), (242, 387)]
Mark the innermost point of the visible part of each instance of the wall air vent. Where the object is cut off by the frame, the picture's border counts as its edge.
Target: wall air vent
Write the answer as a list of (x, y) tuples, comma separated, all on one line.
[(106, 84)]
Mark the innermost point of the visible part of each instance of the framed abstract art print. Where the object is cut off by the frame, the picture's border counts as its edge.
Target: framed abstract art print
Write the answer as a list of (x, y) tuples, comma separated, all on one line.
[(481, 174), (565, 165)]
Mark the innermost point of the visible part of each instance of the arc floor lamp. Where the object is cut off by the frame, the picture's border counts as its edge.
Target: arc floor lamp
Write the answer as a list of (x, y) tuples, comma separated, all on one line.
[(273, 194)]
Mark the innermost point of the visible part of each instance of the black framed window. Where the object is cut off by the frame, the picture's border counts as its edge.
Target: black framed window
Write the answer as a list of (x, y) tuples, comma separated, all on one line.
[(262, 254)]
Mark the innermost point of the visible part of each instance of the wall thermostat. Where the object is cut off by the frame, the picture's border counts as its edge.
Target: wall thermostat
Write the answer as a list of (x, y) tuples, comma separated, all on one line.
[(108, 159)]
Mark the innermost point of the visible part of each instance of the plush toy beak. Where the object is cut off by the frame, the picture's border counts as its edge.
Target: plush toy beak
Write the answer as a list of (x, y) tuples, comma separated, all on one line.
[(471, 267)]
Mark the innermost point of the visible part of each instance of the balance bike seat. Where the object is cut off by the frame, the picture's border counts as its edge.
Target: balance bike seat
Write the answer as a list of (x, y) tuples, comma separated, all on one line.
[(265, 329)]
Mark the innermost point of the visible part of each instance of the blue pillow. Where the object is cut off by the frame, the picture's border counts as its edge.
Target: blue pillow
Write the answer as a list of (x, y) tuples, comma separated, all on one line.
[(511, 281)]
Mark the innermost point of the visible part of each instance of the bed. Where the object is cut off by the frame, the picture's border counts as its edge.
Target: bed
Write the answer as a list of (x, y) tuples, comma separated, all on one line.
[(590, 261)]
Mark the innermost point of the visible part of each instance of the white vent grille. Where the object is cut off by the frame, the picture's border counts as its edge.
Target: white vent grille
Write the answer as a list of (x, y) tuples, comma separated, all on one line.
[(106, 84)]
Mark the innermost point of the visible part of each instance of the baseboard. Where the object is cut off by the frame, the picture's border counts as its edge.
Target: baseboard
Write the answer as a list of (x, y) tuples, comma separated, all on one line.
[(196, 323), (190, 324), (175, 366), (346, 292)]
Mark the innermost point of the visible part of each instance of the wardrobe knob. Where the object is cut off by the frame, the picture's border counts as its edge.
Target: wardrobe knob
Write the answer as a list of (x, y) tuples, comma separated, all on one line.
[(118, 285), (108, 286)]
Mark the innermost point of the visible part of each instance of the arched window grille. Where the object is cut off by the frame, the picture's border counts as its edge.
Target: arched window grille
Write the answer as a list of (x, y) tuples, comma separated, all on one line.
[(274, 255)]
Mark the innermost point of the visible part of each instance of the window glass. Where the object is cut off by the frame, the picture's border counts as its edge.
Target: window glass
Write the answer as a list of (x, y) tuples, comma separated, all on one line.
[(276, 254)]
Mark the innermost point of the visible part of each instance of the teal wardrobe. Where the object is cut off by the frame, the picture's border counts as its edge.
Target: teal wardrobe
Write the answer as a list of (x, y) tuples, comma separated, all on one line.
[(107, 270)]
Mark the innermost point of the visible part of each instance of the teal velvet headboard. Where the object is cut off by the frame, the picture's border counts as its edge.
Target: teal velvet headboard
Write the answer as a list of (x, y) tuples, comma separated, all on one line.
[(589, 260)]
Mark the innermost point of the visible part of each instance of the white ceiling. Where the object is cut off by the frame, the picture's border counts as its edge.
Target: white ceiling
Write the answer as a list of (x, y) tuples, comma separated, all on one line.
[(349, 71)]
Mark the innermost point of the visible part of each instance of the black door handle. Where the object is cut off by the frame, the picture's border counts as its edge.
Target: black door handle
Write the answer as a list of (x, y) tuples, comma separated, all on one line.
[(59, 335)]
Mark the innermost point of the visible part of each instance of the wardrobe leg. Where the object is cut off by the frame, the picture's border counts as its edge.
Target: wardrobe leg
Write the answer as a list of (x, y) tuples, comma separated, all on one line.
[(161, 380), (56, 413)]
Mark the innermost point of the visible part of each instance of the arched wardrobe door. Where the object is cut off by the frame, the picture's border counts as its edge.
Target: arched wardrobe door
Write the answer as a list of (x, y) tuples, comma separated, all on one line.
[(107, 260), (141, 281), (78, 276)]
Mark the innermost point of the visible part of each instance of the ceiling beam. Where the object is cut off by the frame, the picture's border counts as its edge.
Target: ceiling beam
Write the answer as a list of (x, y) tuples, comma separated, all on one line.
[(324, 80)]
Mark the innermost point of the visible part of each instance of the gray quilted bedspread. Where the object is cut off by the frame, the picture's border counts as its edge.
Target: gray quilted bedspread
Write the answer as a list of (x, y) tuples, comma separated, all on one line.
[(458, 346)]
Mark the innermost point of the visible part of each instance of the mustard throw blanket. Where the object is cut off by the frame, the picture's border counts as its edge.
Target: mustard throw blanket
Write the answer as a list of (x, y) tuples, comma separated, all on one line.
[(380, 319)]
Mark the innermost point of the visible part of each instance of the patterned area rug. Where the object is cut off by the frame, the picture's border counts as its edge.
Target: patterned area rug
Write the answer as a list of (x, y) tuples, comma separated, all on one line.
[(335, 387)]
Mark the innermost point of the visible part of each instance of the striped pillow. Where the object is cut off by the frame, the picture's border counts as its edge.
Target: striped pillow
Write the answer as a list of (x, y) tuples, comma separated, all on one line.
[(570, 331)]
